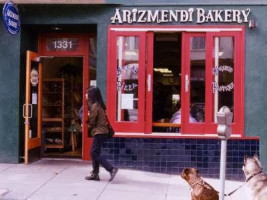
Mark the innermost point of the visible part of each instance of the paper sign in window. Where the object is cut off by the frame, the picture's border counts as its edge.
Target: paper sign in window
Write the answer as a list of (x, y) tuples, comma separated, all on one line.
[(34, 98), (127, 101)]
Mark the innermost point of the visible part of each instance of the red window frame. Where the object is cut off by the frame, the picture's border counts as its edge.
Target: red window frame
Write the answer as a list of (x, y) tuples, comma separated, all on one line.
[(126, 126), (238, 120), (208, 127)]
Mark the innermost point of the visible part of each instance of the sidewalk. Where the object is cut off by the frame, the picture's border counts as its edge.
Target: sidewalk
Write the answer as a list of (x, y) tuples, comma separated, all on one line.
[(62, 179)]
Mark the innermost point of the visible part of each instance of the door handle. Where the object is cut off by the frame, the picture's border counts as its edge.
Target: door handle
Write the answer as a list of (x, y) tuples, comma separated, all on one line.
[(148, 82), (186, 83), (24, 113)]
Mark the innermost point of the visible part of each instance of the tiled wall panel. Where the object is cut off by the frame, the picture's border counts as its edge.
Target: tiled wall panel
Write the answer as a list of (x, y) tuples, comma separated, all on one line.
[(172, 155)]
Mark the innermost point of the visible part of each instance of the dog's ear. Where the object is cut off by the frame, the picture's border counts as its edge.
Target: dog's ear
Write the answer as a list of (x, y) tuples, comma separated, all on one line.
[(245, 158), (256, 158), (186, 171)]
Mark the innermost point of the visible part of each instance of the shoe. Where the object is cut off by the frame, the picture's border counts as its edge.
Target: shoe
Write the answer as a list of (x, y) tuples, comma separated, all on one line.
[(113, 173), (92, 177)]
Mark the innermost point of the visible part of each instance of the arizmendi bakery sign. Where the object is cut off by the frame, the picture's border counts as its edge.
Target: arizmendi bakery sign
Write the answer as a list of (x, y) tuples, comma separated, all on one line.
[(198, 15)]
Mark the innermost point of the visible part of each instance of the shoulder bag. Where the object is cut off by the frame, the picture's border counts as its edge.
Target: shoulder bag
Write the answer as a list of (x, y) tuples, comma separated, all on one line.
[(111, 131)]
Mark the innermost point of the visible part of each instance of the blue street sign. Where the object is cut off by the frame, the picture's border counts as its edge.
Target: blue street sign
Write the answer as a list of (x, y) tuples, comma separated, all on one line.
[(11, 17)]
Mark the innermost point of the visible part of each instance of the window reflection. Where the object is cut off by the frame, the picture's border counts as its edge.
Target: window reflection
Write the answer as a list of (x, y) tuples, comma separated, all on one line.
[(127, 78), (223, 74), (197, 79)]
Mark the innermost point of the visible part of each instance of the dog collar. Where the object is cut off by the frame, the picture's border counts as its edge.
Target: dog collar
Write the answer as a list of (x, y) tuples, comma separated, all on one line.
[(253, 176), (197, 182)]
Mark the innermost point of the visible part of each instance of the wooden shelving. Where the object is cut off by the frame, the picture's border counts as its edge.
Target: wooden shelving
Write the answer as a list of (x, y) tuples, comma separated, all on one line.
[(53, 113)]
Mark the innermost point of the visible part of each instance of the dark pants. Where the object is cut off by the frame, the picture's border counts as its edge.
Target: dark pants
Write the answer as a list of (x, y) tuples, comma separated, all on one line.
[(96, 154)]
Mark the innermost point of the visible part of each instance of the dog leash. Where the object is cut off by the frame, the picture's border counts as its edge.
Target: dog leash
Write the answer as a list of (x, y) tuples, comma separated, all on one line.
[(201, 182), (230, 193)]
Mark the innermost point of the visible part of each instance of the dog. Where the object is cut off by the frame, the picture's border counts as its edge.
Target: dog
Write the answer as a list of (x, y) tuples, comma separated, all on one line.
[(256, 179), (200, 190)]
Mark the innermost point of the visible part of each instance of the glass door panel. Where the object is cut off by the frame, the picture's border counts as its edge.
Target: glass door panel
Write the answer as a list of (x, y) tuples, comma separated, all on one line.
[(226, 78), (197, 79), (223, 74), (194, 68), (126, 82), (127, 78)]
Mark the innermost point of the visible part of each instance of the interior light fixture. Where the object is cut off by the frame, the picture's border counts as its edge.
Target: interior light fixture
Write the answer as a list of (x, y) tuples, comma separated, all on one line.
[(56, 28), (162, 70)]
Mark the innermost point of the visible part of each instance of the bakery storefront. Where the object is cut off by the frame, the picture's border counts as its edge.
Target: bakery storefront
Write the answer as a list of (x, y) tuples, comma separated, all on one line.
[(164, 72)]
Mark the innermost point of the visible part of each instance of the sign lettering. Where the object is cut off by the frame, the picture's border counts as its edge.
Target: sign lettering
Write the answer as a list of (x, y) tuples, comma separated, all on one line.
[(11, 18), (199, 15), (222, 88)]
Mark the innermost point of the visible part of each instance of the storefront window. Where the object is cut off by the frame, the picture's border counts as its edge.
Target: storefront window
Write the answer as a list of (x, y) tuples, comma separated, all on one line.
[(127, 78), (154, 76), (197, 79), (223, 74)]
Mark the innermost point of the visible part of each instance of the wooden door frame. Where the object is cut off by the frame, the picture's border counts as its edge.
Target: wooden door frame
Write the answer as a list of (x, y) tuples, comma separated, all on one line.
[(32, 143)]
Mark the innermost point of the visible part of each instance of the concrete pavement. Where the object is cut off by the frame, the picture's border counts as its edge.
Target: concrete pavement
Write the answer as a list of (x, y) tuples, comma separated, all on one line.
[(63, 179)]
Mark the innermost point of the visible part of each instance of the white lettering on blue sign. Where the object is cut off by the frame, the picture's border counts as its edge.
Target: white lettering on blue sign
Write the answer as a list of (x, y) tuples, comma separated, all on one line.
[(11, 18), (12, 15)]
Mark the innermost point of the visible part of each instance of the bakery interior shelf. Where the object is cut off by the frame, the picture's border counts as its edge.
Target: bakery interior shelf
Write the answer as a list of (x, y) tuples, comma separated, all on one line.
[(52, 119), (53, 113)]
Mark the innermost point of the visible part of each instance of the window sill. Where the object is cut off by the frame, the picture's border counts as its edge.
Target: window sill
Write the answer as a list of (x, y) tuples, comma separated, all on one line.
[(177, 135)]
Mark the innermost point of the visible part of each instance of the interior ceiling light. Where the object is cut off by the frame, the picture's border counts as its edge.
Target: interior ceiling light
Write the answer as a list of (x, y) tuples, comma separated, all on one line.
[(56, 28), (163, 70)]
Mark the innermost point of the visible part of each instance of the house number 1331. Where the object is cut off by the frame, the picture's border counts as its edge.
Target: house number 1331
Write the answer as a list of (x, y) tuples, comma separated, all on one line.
[(62, 44)]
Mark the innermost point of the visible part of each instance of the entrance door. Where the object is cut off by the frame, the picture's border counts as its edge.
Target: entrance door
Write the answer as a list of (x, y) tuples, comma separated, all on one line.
[(32, 108), (129, 83), (75, 45)]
